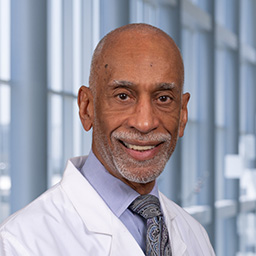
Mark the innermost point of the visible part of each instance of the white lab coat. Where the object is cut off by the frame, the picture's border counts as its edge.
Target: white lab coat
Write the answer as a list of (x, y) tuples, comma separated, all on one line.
[(72, 219)]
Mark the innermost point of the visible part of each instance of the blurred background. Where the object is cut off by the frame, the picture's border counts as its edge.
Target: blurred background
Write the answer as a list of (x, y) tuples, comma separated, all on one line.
[(45, 53)]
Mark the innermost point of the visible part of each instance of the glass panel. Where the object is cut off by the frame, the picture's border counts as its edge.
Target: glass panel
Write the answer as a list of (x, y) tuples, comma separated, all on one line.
[(55, 45), (247, 233), (247, 99), (78, 130), (190, 183), (143, 11), (139, 7), (4, 39), (250, 99), (197, 142), (220, 12), (5, 108), (77, 50), (226, 110), (55, 143), (248, 33), (220, 89), (5, 182), (67, 44), (73, 33), (220, 150), (190, 85), (68, 120), (203, 4), (190, 140), (231, 20), (226, 14), (243, 96), (95, 23), (149, 14), (5, 114), (225, 243)]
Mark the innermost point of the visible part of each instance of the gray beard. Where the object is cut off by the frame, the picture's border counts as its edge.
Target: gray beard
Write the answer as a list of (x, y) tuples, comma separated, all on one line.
[(148, 175), (127, 167)]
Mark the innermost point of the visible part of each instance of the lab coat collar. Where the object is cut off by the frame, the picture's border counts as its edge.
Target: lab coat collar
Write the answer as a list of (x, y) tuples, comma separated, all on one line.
[(80, 194), (102, 222)]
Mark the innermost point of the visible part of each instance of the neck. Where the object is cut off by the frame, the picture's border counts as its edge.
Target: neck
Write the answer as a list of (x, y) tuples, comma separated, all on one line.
[(141, 188)]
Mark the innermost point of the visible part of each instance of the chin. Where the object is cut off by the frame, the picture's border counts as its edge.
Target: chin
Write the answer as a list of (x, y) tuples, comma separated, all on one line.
[(141, 180), (141, 176)]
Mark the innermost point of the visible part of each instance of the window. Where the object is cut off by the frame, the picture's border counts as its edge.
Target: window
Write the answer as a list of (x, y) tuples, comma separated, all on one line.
[(5, 111), (74, 32)]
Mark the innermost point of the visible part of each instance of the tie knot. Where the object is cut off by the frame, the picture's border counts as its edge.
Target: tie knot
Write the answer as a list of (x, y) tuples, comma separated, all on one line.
[(148, 206)]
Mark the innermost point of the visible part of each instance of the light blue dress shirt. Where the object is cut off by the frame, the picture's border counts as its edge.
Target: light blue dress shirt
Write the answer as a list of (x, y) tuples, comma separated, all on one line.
[(118, 196)]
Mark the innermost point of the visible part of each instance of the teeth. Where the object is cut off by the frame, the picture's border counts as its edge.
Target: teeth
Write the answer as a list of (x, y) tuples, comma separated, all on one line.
[(138, 148)]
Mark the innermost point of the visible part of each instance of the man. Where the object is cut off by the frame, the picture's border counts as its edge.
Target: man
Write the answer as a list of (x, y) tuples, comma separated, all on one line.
[(136, 107)]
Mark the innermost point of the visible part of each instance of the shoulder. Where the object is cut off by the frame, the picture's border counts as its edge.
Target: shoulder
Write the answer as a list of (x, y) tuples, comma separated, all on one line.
[(49, 219), (22, 227), (44, 206), (53, 202)]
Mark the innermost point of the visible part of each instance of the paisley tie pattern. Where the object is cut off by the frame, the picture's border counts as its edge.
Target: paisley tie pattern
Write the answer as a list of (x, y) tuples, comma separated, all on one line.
[(148, 206)]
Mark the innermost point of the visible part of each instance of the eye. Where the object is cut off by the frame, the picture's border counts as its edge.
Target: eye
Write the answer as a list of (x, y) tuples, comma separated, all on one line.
[(164, 98), (123, 96)]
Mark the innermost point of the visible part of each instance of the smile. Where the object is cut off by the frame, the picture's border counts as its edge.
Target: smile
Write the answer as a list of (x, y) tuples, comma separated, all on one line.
[(141, 152), (138, 147)]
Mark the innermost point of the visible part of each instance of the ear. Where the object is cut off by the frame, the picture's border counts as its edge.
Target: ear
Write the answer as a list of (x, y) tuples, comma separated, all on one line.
[(85, 104), (184, 113)]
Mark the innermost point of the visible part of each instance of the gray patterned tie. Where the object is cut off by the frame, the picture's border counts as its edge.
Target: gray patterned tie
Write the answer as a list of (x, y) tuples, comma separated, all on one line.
[(148, 206)]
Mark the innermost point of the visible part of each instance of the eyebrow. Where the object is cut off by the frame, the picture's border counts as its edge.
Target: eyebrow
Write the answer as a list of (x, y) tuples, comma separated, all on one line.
[(167, 86), (159, 86), (122, 83)]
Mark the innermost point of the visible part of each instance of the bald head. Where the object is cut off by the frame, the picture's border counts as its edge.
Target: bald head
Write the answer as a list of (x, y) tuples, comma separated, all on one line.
[(123, 39)]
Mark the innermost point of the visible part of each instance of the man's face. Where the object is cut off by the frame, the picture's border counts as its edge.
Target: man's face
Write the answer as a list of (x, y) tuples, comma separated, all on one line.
[(139, 109)]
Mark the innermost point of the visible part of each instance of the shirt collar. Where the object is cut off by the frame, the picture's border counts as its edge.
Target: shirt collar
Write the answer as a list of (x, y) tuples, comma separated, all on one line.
[(116, 194)]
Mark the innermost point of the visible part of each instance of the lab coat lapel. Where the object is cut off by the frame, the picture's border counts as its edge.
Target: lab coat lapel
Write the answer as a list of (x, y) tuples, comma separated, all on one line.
[(188, 236), (85, 200), (123, 242), (177, 244), (98, 218)]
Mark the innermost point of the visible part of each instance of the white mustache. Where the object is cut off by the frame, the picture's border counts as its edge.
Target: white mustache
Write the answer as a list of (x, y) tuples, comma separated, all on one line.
[(154, 137)]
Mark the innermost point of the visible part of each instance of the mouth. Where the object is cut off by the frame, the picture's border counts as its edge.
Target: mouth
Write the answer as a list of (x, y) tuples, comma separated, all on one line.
[(140, 148)]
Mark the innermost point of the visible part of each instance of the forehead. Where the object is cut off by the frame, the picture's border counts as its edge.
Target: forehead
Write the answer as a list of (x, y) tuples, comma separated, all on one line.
[(141, 58), (134, 43)]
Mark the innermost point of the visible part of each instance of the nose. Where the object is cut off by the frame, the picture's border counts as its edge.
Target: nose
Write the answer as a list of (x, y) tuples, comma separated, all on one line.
[(143, 118)]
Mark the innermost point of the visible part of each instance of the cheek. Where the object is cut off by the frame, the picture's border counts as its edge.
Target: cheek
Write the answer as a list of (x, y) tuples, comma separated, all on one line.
[(106, 122), (170, 122)]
